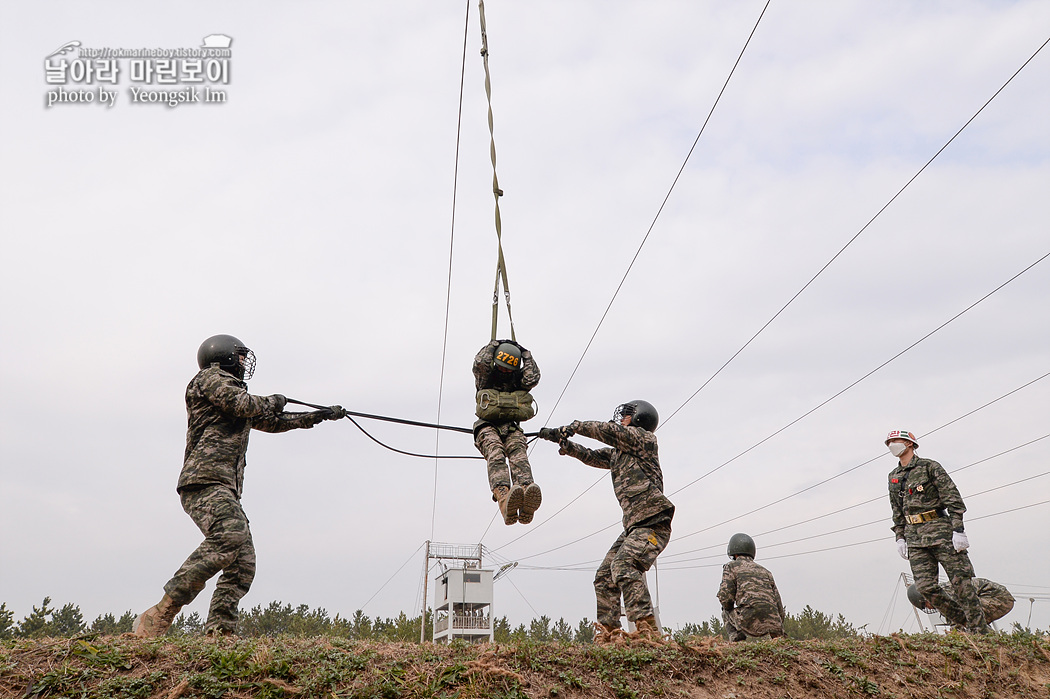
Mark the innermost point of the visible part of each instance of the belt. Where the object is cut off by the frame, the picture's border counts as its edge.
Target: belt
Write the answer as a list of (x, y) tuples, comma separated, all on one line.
[(927, 516)]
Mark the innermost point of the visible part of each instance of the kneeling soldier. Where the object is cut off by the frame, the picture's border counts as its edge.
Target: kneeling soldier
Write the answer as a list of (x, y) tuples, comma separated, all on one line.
[(751, 604), (996, 601)]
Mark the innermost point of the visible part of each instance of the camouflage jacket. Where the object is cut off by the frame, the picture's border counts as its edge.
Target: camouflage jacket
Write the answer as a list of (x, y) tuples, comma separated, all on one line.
[(750, 587), (920, 486), (220, 414), (487, 376), (996, 600), (635, 465)]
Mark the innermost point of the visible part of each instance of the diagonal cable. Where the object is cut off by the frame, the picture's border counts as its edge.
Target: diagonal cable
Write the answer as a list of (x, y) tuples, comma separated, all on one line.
[(856, 235)]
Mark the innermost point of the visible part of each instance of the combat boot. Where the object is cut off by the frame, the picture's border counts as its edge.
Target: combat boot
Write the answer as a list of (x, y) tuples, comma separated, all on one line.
[(531, 502), (646, 628), (604, 634), (509, 500), (156, 620)]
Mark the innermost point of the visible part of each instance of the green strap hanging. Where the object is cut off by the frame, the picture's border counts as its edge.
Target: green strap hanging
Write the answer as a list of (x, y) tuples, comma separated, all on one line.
[(501, 265)]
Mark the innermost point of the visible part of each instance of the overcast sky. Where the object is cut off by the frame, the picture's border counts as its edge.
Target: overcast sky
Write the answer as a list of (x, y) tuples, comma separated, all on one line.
[(311, 215)]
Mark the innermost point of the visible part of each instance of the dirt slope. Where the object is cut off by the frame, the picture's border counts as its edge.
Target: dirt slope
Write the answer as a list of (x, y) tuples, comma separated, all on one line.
[(956, 666)]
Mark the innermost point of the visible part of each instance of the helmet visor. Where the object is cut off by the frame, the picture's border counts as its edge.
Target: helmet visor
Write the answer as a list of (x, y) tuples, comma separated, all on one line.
[(247, 361), (623, 410)]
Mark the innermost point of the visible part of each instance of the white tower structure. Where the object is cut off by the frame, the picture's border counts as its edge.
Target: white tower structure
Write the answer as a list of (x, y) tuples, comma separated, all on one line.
[(462, 595)]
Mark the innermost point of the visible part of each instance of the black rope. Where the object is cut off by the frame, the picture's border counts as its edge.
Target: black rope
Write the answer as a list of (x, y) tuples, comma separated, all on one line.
[(402, 421)]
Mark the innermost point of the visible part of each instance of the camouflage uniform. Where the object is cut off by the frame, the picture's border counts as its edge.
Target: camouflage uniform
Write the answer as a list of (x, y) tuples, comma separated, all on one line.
[(922, 486), (221, 413), (638, 483), (996, 600), (751, 604), (503, 443)]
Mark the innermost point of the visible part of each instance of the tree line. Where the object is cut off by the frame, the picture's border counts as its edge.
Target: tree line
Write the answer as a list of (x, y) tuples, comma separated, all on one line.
[(277, 619)]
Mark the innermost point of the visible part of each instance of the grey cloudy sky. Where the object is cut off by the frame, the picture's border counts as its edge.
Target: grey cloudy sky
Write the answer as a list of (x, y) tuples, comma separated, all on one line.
[(311, 216)]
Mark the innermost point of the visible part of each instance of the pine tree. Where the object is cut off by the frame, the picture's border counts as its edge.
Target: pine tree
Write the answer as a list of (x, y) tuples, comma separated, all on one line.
[(36, 625), (67, 622), (7, 622)]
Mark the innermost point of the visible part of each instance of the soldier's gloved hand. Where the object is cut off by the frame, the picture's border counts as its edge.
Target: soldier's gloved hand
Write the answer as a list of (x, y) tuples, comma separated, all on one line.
[(279, 402), (551, 434), (959, 541), (902, 548), (570, 429), (335, 412)]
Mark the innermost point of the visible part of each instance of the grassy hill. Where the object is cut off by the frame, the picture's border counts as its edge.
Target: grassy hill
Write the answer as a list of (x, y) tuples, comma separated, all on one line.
[(956, 665)]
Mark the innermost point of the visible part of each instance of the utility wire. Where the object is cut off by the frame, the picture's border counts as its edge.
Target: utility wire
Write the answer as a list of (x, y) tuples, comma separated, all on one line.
[(451, 246), (619, 286), (854, 468), (880, 520), (660, 209), (381, 588), (859, 543), (880, 366), (857, 234), (585, 565), (791, 300), (555, 514), (823, 403)]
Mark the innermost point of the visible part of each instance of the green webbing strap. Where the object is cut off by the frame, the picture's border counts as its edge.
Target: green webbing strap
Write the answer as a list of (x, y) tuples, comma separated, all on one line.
[(501, 265)]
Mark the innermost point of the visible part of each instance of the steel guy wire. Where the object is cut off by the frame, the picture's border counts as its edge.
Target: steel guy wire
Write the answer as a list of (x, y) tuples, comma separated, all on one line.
[(858, 233), (791, 300), (820, 405), (667, 196), (854, 468), (619, 286), (880, 520), (451, 247), (381, 587), (827, 514), (585, 564), (880, 366), (859, 543)]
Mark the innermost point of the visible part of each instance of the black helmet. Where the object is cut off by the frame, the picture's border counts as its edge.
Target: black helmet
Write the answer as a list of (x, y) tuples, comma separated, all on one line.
[(226, 351), (642, 413), (507, 357), (741, 545), (917, 600)]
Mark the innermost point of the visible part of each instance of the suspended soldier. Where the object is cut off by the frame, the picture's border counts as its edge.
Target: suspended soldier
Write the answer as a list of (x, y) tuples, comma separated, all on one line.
[(751, 604), (996, 601), (928, 523), (638, 483), (504, 373), (221, 413)]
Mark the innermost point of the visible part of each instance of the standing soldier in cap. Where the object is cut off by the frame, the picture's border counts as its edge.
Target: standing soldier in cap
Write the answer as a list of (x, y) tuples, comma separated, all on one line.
[(751, 604), (220, 413), (996, 600), (928, 523), (638, 482), (504, 373)]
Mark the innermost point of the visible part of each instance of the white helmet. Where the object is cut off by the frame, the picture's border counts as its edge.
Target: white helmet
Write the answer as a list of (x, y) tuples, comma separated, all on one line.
[(902, 434)]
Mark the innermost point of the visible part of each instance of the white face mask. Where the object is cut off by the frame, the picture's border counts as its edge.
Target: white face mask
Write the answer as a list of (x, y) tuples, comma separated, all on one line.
[(898, 448)]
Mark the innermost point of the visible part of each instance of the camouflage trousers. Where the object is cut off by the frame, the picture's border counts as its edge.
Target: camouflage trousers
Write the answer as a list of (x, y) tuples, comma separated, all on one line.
[(504, 445), (227, 547), (924, 559), (622, 573), (741, 622)]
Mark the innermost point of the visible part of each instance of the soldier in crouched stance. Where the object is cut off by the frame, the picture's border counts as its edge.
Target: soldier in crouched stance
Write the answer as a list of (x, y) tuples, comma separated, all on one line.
[(221, 413), (638, 482)]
